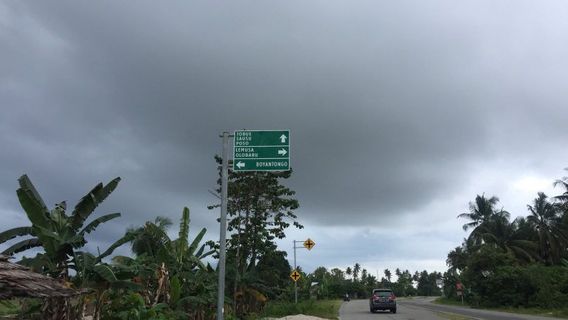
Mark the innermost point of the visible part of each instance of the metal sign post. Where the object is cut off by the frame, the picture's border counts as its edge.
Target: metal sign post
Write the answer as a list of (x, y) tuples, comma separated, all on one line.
[(306, 244), (254, 150), (223, 230)]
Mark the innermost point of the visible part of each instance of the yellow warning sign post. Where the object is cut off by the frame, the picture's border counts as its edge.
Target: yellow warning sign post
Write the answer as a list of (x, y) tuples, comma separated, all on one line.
[(309, 244), (295, 275)]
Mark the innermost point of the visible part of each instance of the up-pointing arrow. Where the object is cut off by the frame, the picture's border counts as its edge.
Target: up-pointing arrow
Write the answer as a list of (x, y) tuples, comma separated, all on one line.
[(240, 165), (283, 138), (282, 152)]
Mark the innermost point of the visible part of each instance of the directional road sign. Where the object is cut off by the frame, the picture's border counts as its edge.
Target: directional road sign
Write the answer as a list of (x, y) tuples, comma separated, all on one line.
[(261, 150), (295, 275), (309, 244)]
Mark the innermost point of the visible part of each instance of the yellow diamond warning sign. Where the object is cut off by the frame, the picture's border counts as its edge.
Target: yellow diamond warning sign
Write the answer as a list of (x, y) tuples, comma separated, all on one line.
[(309, 244), (295, 275)]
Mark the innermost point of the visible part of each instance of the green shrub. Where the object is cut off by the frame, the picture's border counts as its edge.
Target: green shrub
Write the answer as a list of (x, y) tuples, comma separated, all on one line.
[(533, 286)]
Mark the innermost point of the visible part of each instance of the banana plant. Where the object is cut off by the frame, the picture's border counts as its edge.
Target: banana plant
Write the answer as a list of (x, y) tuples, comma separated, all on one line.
[(156, 254), (152, 240), (99, 278), (56, 232)]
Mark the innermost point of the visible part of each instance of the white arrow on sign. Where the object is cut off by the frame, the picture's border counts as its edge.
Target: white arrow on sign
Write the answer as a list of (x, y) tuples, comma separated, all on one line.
[(240, 165), (282, 152), (283, 138)]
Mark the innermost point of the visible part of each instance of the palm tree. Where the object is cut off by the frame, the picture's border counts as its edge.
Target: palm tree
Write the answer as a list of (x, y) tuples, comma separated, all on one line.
[(397, 272), (545, 220), (484, 219), (500, 233), (481, 210), (363, 275), (151, 237), (563, 198), (388, 274), (58, 233), (356, 270)]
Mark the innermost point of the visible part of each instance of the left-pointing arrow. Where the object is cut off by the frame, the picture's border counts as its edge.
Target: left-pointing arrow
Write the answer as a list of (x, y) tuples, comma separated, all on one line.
[(240, 165)]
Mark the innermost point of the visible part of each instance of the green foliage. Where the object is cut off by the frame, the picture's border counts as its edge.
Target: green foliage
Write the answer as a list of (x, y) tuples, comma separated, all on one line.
[(170, 272), (427, 285), (131, 306), (514, 264), (175, 290), (59, 234), (403, 287), (259, 210), (533, 286), (167, 279), (273, 272), (8, 307)]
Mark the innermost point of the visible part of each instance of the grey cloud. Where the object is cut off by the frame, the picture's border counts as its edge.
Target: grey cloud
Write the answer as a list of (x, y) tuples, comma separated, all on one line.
[(389, 104)]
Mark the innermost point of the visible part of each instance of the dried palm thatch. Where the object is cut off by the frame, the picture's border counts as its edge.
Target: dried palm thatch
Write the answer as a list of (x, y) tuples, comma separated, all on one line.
[(19, 281)]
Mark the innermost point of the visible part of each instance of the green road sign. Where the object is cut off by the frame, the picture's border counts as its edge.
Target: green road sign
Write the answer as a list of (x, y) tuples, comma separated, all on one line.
[(261, 150)]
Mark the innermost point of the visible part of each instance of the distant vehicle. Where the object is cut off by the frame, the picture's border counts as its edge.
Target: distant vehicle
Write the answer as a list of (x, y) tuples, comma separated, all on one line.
[(346, 297), (382, 299)]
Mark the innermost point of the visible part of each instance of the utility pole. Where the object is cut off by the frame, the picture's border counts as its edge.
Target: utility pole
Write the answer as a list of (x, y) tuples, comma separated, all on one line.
[(223, 230)]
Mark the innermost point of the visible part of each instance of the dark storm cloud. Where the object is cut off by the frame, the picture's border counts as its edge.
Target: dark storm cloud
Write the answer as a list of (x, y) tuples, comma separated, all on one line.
[(390, 105)]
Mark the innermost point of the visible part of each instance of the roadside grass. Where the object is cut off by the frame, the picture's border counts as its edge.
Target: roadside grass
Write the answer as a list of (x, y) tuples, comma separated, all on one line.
[(328, 309), (559, 313), (8, 307), (452, 316), (450, 302)]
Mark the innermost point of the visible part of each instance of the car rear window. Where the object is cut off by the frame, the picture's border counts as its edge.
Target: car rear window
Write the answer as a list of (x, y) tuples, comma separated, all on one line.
[(383, 293)]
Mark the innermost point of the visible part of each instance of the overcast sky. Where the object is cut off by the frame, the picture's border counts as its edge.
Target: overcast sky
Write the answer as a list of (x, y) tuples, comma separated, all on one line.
[(400, 112)]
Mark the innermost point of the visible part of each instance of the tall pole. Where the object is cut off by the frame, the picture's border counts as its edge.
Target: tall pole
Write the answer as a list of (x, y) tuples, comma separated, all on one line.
[(223, 231), (295, 282)]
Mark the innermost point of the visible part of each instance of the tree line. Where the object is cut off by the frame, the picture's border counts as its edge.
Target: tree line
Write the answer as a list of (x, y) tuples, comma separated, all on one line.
[(162, 278), (357, 282), (521, 262)]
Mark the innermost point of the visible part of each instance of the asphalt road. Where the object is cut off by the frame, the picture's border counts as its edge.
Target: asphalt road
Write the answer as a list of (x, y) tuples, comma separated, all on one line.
[(359, 310), (423, 309)]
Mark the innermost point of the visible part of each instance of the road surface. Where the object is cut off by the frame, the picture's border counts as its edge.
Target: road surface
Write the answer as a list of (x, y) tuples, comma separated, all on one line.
[(423, 309)]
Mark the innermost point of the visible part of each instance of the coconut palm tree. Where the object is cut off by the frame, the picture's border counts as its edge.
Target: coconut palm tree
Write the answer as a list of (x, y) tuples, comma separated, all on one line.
[(388, 274), (563, 198), (481, 210), (501, 233), (151, 237), (356, 269), (545, 220)]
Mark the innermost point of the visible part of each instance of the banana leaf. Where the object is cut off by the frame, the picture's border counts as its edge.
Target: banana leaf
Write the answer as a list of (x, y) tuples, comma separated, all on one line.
[(15, 232), (105, 272), (22, 246), (95, 223), (89, 202)]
